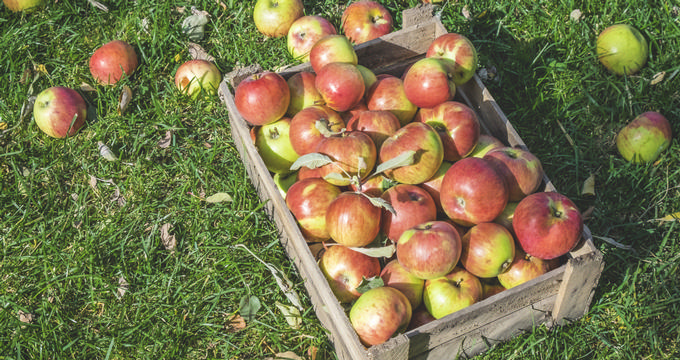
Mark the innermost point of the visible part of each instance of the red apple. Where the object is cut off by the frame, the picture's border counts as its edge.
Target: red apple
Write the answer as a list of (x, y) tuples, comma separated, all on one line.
[(412, 206), (59, 111), (308, 200), (522, 170), (429, 153), (547, 225), (341, 85), (378, 124), (275, 17), (305, 126), (303, 92), (434, 184), (488, 250), (524, 268), (353, 154), (352, 220), (195, 76), (365, 20), (485, 143), (429, 250), (379, 314), (354, 111), (473, 192), (273, 144), (396, 276), (452, 292), (429, 82), (111, 61), (645, 138), (332, 48), (305, 32), (457, 125), (262, 98), (458, 49), (387, 93), (345, 269)]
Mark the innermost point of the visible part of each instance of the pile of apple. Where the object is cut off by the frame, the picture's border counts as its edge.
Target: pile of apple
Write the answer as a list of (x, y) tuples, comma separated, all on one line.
[(393, 176)]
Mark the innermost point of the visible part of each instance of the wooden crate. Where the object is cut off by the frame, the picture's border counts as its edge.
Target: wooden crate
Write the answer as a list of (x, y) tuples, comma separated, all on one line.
[(558, 297)]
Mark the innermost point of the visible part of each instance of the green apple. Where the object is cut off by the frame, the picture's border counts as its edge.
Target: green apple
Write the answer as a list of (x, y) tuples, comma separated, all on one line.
[(59, 111), (284, 181), (274, 17), (644, 138), (622, 49), (273, 143), (20, 5)]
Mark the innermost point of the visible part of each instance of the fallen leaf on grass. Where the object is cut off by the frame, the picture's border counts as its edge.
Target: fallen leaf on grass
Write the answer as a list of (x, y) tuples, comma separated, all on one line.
[(291, 313), (87, 87), (124, 99), (105, 152), (194, 25), (466, 13), (613, 242), (669, 217), (235, 323), (99, 5), (25, 317), (198, 53), (219, 197), (168, 240), (589, 186), (311, 352), (164, 143), (3, 125), (576, 15), (249, 307), (123, 287), (658, 77), (118, 198), (288, 355)]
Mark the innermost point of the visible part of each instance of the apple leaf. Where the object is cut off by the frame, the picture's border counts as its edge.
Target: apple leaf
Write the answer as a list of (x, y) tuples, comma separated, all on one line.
[(288, 355), (312, 161), (219, 197), (670, 217), (404, 159), (105, 152), (291, 313), (377, 252), (324, 127), (613, 242), (194, 25), (371, 283), (99, 5), (381, 203), (123, 287), (235, 323), (124, 99), (249, 306), (168, 240), (589, 186), (336, 176)]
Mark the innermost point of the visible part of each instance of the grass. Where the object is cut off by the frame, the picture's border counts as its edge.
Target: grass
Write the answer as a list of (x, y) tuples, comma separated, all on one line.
[(77, 231)]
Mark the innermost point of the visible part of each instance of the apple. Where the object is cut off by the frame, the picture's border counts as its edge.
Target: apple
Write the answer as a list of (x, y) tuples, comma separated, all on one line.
[(434, 184), (195, 76), (457, 125), (352, 220), (308, 201), (275, 17), (452, 292), (644, 138), (488, 250), (354, 111), (429, 82), (419, 318), (485, 143), (524, 268), (412, 206), (307, 124), (59, 111), (547, 225), (505, 217), (353, 154), (284, 181), (20, 5), (429, 250), (491, 287), (303, 92), (341, 85), (396, 276), (365, 20), (429, 153), (379, 314), (305, 32), (387, 93), (111, 61), (369, 76), (522, 170), (345, 269), (332, 48), (262, 98), (473, 192), (273, 144), (622, 49), (378, 124), (458, 49)]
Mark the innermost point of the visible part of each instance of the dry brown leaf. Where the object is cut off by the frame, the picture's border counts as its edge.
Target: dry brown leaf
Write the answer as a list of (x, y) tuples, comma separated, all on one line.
[(576, 15), (164, 143), (658, 77), (117, 197), (123, 287), (223, 5), (25, 317), (93, 182), (589, 186), (124, 99), (3, 125), (588, 213), (466, 13), (288, 355), (87, 87), (311, 352), (25, 76), (235, 323), (168, 240), (198, 53)]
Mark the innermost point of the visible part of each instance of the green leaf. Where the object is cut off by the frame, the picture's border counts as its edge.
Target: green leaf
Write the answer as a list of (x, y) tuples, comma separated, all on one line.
[(312, 161), (381, 203), (337, 177), (371, 283), (404, 159), (377, 252), (219, 197), (291, 313), (249, 306)]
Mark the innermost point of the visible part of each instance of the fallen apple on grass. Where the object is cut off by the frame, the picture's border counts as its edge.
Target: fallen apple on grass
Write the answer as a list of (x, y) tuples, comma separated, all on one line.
[(59, 111), (198, 76), (645, 138), (622, 49), (275, 17), (21, 5), (112, 61)]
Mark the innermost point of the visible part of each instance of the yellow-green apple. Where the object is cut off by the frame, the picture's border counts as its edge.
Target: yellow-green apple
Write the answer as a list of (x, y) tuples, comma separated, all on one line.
[(460, 50), (429, 82), (522, 170), (505, 217), (284, 181), (305, 32), (20, 5), (488, 250), (379, 314), (308, 200), (622, 49), (352, 219), (419, 318), (457, 125), (434, 184), (307, 125), (452, 292), (111, 61), (485, 143), (645, 138), (341, 85), (262, 98), (365, 20), (273, 144), (345, 269), (369, 77), (473, 192), (424, 141), (412, 206), (396, 276), (353, 154), (429, 250), (524, 268), (196, 76), (59, 111), (378, 124), (274, 17), (303, 92), (387, 93), (332, 48), (547, 225)]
